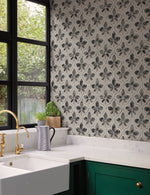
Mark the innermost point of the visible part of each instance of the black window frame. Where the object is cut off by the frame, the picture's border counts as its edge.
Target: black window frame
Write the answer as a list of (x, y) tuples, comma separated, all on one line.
[(10, 37)]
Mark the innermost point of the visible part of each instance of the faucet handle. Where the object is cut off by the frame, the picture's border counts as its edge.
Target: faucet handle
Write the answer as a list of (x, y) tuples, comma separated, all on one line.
[(3, 137), (3, 134), (2, 144), (22, 146), (18, 149)]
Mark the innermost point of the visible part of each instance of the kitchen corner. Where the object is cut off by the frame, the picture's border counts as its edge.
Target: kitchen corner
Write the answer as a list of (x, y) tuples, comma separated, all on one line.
[(71, 149)]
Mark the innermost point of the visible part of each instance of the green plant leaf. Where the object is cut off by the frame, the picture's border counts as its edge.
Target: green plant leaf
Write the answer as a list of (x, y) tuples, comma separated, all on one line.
[(51, 109)]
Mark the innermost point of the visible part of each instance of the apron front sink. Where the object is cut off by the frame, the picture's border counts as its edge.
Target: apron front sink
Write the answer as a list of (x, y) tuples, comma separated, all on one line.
[(33, 175)]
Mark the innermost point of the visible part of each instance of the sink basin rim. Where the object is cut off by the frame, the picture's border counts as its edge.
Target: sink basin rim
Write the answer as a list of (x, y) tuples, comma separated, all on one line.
[(31, 162)]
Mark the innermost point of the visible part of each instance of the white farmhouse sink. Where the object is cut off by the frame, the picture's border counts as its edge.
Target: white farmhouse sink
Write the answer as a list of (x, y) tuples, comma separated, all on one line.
[(33, 175), (31, 163), (6, 172)]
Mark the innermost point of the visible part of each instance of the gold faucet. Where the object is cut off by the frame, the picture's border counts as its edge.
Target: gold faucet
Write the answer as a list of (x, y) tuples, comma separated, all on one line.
[(2, 144), (17, 149)]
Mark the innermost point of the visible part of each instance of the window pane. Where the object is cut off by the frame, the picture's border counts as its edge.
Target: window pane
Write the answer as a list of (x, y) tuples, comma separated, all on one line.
[(3, 61), (3, 104), (31, 62), (3, 15), (31, 20), (30, 100)]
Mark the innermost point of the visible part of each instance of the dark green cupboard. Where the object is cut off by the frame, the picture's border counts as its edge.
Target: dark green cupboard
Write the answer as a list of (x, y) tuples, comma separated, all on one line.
[(108, 179), (94, 178)]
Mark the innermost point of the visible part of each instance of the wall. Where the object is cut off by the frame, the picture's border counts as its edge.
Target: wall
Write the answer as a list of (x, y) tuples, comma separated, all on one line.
[(100, 66)]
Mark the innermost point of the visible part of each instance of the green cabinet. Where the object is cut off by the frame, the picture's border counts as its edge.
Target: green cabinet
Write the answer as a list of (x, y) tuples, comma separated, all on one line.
[(108, 179), (77, 179), (94, 178)]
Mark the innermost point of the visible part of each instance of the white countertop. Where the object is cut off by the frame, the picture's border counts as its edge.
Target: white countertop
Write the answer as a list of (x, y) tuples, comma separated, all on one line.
[(119, 152), (73, 153)]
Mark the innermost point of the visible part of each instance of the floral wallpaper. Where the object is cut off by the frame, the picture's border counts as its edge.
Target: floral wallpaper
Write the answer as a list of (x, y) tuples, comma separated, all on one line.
[(100, 67)]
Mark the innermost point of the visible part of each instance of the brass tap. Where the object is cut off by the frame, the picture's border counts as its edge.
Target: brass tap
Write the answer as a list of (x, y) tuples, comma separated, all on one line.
[(17, 148), (2, 144)]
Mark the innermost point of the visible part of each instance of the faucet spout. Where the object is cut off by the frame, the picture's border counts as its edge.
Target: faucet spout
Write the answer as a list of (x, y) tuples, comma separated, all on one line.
[(24, 129), (13, 114), (17, 149)]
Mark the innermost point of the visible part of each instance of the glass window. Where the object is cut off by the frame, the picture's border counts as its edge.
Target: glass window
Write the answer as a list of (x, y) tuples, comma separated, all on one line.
[(30, 101), (24, 60), (3, 15), (31, 20), (3, 104), (31, 62), (3, 61)]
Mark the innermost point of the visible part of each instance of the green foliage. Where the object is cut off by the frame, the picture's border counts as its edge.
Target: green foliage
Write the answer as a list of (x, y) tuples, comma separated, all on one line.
[(31, 16), (41, 116), (3, 61), (51, 109), (3, 15), (31, 57), (3, 104)]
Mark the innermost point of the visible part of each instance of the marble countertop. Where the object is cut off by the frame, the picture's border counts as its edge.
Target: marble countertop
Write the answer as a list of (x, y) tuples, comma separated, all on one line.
[(119, 152), (73, 153)]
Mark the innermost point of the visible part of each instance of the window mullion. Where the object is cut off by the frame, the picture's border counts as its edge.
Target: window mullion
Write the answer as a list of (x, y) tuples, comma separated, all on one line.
[(13, 58), (35, 42)]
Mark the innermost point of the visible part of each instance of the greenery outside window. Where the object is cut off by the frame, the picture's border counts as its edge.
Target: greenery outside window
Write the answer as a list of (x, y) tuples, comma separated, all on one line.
[(24, 60)]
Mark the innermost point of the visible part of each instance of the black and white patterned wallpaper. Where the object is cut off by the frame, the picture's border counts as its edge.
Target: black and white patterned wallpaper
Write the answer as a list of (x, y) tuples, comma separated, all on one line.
[(100, 66)]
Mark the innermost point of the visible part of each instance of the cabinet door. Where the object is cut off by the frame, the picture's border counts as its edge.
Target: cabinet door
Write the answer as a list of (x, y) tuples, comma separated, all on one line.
[(106, 179), (77, 178)]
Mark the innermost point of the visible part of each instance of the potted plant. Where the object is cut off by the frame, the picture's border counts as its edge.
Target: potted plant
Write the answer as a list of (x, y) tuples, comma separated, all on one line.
[(41, 118), (53, 118)]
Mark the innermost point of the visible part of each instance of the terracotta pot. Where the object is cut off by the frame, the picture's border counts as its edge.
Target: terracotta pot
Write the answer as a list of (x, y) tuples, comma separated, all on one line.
[(53, 121)]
